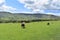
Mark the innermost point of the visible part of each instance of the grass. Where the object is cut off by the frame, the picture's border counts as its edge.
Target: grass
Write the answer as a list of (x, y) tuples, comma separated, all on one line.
[(33, 31)]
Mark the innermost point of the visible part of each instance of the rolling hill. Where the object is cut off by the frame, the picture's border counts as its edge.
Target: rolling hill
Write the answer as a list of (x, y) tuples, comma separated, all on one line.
[(23, 16)]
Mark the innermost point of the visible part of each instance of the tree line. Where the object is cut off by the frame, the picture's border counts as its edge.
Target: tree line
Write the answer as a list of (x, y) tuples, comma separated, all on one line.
[(27, 21)]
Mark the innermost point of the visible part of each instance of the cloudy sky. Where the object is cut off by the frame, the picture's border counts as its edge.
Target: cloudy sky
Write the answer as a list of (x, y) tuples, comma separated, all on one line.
[(31, 6)]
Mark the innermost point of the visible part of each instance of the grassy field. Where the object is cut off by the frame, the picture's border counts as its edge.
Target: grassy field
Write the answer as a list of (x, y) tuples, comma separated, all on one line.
[(33, 31)]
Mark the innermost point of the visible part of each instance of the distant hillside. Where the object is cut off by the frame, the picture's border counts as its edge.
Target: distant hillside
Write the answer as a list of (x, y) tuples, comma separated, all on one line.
[(23, 16), (38, 16)]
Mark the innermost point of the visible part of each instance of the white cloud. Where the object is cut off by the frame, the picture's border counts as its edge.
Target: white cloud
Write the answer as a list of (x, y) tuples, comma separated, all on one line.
[(26, 12), (7, 8), (55, 4), (4, 7), (2, 1), (41, 5), (38, 11), (49, 13)]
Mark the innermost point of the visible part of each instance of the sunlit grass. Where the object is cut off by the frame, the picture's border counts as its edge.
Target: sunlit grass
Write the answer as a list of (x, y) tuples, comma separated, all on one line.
[(33, 31)]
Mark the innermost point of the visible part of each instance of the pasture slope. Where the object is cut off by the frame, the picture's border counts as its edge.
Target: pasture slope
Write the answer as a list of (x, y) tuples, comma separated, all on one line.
[(33, 31)]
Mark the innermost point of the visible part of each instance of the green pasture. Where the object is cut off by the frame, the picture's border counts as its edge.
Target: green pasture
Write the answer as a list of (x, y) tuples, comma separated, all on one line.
[(33, 31)]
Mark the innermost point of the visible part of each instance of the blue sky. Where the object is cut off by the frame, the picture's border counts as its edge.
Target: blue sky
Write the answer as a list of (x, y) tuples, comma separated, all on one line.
[(31, 6), (19, 6)]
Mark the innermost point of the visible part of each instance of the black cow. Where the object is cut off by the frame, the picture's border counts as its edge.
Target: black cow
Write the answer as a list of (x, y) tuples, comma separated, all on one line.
[(48, 23), (23, 25)]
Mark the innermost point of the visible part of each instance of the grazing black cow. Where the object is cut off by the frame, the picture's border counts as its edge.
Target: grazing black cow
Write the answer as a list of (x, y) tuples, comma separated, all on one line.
[(48, 23), (23, 24)]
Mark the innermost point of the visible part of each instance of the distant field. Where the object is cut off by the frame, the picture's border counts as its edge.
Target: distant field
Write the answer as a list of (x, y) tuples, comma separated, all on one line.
[(33, 31)]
